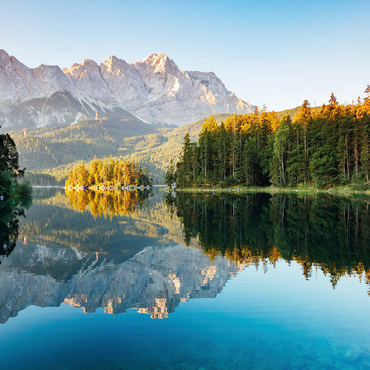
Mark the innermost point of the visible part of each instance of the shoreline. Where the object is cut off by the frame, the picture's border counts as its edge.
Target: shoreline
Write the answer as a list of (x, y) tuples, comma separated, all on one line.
[(339, 190), (106, 188)]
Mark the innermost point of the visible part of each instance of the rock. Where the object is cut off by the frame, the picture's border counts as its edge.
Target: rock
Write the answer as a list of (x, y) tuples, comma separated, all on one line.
[(153, 89)]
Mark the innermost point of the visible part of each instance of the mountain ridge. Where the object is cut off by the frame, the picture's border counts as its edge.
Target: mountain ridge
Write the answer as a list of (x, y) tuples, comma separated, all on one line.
[(153, 89)]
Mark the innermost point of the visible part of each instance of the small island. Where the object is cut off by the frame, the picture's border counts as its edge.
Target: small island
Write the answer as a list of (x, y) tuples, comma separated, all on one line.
[(112, 174)]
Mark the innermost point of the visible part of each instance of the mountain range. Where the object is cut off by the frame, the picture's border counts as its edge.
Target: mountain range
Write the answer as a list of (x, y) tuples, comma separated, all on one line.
[(151, 90), (139, 105)]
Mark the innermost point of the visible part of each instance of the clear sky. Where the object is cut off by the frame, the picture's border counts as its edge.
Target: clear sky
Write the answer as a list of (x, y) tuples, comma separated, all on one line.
[(276, 53)]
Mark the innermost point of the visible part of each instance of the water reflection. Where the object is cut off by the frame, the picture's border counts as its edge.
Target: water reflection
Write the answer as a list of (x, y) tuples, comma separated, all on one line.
[(129, 222), (109, 253), (9, 225), (321, 231), (105, 203), (133, 260), (154, 281), (136, 257)]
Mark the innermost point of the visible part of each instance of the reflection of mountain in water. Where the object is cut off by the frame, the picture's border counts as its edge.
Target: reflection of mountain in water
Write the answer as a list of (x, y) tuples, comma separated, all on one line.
[(154, 281), (54, 220)]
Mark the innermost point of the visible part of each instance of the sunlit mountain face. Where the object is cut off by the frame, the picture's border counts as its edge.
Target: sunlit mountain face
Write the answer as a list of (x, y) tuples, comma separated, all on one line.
[(151, 90), (239, 281)]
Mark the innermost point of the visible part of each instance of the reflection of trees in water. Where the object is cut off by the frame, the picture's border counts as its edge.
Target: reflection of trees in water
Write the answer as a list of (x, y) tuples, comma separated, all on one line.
[(319, 231), (9, 225), (110, 203)]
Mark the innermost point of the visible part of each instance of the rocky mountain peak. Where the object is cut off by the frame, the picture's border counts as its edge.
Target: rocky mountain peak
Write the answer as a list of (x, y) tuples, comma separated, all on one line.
[(114, 64), (4, 56), (159, 63), (153, 89), (79, 70)]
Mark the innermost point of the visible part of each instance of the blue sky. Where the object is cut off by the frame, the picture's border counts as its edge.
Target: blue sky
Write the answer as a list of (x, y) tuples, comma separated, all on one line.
[(276, 53)]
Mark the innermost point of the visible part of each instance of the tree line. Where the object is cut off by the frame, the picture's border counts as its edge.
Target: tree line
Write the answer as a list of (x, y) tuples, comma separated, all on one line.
[(37, 178), (108, 173), (319, 147)]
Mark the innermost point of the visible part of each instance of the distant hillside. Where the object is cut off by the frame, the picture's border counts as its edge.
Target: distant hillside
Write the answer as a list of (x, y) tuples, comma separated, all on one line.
[(293, 112), (44, 150), (54, 151), (195, 127)]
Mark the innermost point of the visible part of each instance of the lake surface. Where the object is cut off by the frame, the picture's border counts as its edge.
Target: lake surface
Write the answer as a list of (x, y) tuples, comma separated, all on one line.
[(147, 280)]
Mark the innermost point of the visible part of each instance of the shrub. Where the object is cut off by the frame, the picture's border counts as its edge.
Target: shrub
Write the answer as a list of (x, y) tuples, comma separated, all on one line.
[(25, 190), (6, 184)]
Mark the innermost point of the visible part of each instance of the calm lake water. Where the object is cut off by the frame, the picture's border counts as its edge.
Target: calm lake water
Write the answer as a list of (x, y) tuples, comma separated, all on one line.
[(145, 280)]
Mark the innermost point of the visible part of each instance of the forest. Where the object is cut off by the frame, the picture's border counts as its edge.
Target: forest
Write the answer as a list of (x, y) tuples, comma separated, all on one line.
[(319, 148), (108, 173)]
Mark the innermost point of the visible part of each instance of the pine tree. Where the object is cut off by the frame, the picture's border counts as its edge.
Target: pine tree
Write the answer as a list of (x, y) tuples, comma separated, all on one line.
[(82, 176), (74, 177), (104, 172), (170, 174), (279, 159), (251, 165), (365, 147), (186, 161), (111, 166), (206, 153), (222, 150), (93, 172), (304, 118)]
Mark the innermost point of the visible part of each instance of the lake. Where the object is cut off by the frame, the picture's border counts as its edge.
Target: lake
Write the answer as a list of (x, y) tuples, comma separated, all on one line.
[(150, 280)]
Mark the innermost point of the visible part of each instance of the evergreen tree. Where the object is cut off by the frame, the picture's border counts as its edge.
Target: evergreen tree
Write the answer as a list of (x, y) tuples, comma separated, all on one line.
[(279, 159), (365, 147), (222, 150), (251, 167), (170, 174), (82, 176), (186, 161), (303, 118), (104, 172), (9, 158)]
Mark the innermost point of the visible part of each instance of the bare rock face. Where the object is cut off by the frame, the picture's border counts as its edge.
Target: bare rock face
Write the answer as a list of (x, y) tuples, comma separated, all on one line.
[(153, 89)]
